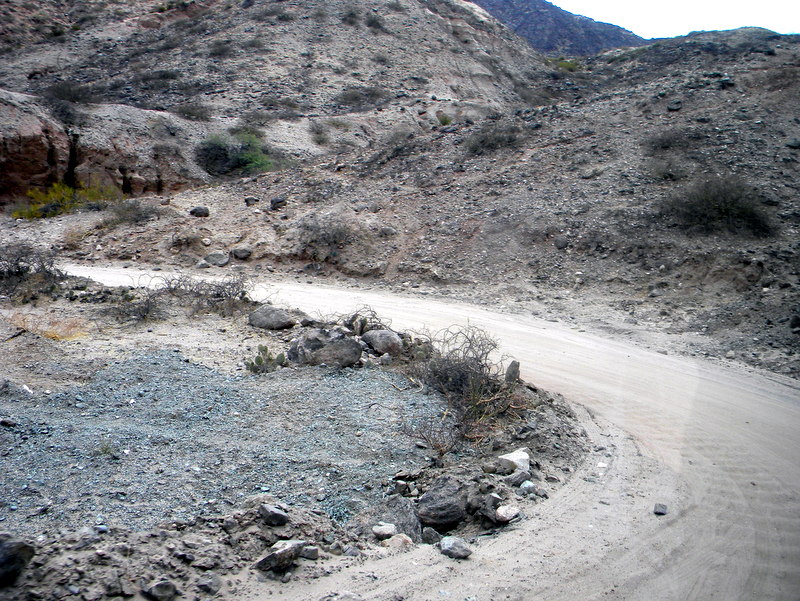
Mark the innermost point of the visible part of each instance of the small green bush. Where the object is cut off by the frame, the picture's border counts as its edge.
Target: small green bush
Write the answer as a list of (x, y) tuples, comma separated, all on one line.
[(360, 97), (493, 136), (243, 154), (264, 362), (351, 16), (720, 204), (59, 199), (71, 92), (130, 210), (194, 111), (375, 22)]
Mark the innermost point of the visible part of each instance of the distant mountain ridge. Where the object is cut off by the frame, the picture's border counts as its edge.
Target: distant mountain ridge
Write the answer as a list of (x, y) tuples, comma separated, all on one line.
[(553, 30)]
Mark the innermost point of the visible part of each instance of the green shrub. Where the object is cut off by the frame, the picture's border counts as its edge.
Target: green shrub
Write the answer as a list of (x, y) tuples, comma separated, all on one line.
[(243, 154), (194, 111), (375, 23), (59, 199), (720, 204), (130, 210), (264, 362), (71, 92), (360, 97), (563, 64), (220, 49), (351, 16), (493, 136), (444, 119)]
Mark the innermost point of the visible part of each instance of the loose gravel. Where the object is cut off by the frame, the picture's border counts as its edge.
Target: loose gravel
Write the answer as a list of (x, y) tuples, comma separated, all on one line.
[(157, 437)]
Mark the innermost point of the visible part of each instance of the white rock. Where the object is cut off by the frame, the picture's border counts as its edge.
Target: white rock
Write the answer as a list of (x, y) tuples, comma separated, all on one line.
[(382, 530), (516, 460), (505, 513)]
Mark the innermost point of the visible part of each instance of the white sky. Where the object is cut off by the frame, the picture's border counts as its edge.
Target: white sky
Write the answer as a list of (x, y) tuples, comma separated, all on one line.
[(672, 18)]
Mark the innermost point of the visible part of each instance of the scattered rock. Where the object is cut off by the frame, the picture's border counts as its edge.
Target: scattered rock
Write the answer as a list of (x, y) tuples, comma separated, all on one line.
[(278, 202), (218, 259), (251, 200), (660, 509), (398, 541), (272, 515), (281, 556), (161, 590), (430, 536), (268, 317), (516, 460), (382, 530), (384, 341), (675, 106), (14, 556), (517, 478), (512, 372), (199, 212), (795, 144), (310, 552), (505, 513), (343, 596), (242, 253), (455, 547), (209, 583), (561, 242), (444, 505), (319, 346)]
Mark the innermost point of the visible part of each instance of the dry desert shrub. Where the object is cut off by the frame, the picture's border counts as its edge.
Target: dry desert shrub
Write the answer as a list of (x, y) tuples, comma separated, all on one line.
[(48, 326)]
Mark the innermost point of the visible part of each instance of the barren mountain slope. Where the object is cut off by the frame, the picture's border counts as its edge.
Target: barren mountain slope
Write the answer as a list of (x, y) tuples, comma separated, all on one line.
[(303, 73), (548, 205), (550, 29)]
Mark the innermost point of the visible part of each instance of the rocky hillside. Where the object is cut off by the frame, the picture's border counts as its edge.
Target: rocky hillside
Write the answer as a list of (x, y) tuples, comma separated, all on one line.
[(442, 152), (128, 100), (555, 31)]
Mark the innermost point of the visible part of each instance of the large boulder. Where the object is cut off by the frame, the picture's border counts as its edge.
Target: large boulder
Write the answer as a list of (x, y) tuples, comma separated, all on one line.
[(330, 347), (384, 341), (444, 505), (268, 317), (14, 556)]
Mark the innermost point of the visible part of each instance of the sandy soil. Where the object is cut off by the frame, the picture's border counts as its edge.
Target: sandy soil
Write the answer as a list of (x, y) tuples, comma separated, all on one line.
[(716, 443)]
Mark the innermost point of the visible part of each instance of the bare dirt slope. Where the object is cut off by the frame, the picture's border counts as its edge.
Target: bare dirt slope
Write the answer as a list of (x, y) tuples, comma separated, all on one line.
[(717, 444)]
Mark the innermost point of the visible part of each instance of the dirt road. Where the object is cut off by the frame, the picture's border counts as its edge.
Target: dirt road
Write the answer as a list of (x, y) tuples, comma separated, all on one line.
[(720, 446)]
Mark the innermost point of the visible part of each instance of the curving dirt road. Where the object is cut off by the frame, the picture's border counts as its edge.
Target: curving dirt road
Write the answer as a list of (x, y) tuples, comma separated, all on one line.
[(720, 446)]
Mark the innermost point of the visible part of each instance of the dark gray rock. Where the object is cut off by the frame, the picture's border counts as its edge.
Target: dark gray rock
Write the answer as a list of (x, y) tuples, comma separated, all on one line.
[(795, 144), (273, 516), (384, 341), (430, 536), (319, 346), (251, 200), (14, 556), (242, 253), (512, 373), (268, 317), (454, 547), (517, 478), (278, 202), (675, 106), (161, 590), (561, 242), (281, 556), (660, 509), (209, 583), (199, 212), (218, 258), (444, 505)]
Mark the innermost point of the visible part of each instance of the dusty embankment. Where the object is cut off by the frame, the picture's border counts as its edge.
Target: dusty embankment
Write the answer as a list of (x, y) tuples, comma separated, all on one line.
[(718, 444)]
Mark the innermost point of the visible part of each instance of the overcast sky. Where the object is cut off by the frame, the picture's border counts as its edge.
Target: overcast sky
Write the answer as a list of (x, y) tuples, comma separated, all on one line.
[(679, 17)]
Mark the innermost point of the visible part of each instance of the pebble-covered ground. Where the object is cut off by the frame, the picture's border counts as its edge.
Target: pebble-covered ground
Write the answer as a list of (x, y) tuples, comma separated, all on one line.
[(157, 437)]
